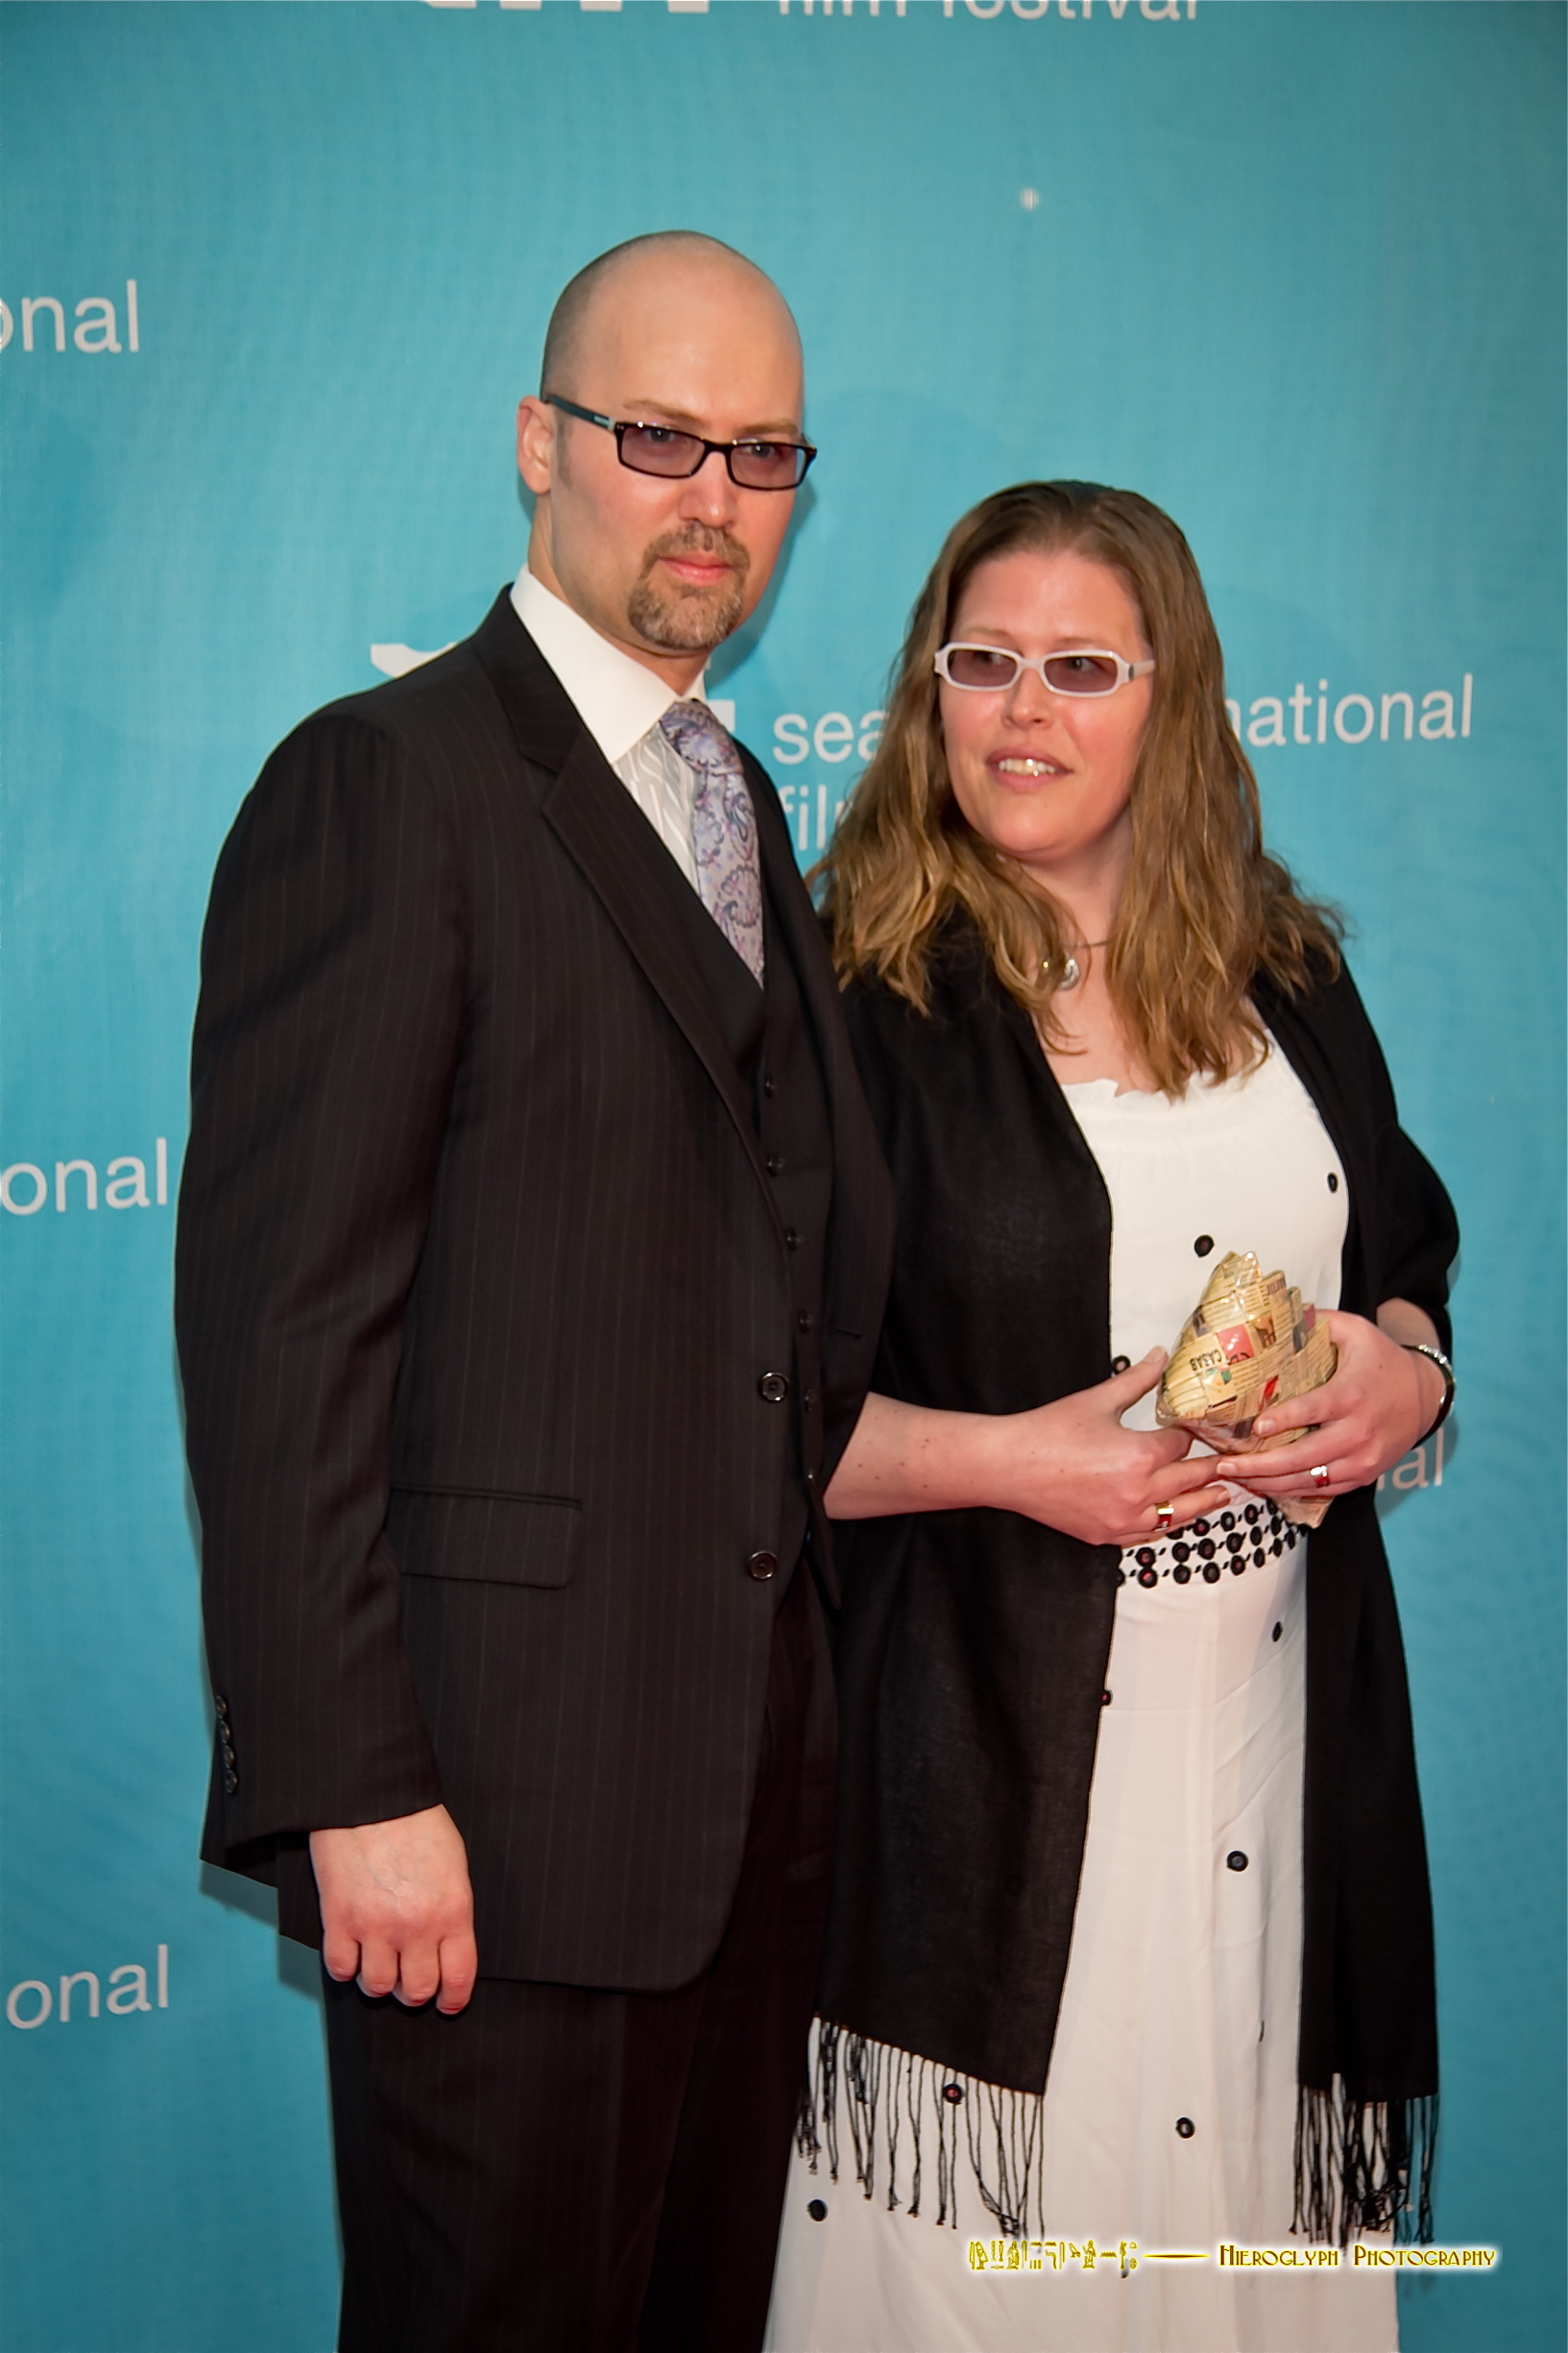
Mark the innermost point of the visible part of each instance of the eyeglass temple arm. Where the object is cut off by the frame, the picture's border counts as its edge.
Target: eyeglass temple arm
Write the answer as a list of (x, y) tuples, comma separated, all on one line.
[(589, 416)]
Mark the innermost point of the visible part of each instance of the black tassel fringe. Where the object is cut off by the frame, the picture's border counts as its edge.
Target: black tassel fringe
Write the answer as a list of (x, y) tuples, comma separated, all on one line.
[(898, 2108), (1361, 2167)]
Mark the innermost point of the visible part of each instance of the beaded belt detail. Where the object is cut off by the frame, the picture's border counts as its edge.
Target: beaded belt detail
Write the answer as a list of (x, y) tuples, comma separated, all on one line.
[(1238, 1539)]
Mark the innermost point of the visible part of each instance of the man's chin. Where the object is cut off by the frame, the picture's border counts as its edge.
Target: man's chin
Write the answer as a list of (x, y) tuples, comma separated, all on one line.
[(693, 623)]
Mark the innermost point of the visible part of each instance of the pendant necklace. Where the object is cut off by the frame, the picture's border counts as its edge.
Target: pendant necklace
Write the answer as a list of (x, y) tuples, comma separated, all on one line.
[(1071, 969)]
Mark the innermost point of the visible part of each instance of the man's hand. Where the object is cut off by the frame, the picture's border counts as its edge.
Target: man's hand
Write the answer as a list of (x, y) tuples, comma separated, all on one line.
[(396, 1908)]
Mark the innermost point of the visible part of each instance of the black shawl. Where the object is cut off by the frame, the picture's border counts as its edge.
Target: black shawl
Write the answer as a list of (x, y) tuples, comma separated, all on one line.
[(973, 1644)]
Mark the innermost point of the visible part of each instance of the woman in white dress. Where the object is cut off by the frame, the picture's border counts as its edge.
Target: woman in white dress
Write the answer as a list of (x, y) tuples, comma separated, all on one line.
[(1130, 1953)]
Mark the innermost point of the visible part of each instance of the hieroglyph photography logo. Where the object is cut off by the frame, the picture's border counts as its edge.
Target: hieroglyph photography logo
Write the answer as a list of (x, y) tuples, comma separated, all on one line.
[(95, 322), (123, 1990), (130, 1182)]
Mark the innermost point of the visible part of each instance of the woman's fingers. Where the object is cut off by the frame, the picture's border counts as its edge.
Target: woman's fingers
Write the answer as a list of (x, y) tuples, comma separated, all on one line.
[(1126, 1388)]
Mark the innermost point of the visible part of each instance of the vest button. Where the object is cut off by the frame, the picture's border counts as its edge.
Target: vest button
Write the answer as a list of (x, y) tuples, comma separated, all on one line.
[(770, 1085), (792, 1240), (809, 1397), (805, 1320), (773, 1386), (774, 1165), (762, 1566)]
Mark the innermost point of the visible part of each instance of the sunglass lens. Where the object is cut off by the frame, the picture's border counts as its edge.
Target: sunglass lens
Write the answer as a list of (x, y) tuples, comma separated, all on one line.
[(1081, 673), (657, 449), (980, 666), (768, 465)]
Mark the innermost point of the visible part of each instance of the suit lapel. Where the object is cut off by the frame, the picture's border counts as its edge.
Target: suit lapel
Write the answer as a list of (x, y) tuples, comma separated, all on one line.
[(615, 849), (858, 1171)]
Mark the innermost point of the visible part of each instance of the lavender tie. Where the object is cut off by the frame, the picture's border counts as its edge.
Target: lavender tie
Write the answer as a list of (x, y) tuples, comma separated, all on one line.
[(723, 829)]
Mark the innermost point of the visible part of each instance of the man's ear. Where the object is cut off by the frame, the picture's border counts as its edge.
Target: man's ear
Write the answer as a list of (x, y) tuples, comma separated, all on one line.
[(537, 424)]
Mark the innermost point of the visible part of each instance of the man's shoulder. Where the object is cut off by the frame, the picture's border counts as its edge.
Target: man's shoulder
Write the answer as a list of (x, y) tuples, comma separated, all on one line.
[(428, 696)]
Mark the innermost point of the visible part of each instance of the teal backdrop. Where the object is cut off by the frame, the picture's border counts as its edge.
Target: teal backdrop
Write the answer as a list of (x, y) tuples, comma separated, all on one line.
[(274, 277)]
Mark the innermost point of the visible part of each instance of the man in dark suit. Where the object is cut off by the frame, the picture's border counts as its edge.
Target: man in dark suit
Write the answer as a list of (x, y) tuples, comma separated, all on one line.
[(533, 1243)]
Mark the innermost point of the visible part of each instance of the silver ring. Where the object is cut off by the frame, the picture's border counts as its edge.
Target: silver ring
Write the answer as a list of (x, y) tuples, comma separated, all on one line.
[(1321, 1474)]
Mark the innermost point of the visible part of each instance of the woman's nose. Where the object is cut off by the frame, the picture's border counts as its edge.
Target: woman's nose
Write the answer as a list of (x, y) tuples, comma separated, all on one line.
[(1029, 698)]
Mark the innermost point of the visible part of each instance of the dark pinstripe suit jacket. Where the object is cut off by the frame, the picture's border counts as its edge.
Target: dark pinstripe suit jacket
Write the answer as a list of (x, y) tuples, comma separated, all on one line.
[(476, 1275)]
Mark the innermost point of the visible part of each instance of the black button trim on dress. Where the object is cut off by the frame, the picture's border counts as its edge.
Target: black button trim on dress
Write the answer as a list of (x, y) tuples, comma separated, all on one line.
[(953, 2093), (1236, 1860), (1186, 2127), (816, 2209), (1203, 1245), (1278, 1631), (1334, 1183)]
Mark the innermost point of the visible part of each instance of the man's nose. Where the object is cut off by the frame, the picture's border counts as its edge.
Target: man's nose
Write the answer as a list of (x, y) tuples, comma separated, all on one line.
[(710, 494)]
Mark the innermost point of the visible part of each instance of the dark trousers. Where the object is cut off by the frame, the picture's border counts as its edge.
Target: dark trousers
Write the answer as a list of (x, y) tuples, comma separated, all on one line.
[(562, 2170)]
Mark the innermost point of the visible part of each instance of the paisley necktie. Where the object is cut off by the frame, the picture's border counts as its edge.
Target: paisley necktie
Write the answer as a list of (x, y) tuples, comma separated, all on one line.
[(723, 829)]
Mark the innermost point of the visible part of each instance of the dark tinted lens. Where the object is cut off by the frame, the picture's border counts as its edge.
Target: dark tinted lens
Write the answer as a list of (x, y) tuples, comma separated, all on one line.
[(1081, 673), (768, 465), (980, 666), (657, 448)]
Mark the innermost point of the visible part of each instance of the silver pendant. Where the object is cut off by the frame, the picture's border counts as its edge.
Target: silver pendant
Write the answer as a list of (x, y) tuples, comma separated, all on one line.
[(1071, 972)]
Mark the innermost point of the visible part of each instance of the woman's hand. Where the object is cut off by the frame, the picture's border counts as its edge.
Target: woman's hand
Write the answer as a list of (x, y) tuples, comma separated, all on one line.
[(1383, 1398), (1069, 1465)]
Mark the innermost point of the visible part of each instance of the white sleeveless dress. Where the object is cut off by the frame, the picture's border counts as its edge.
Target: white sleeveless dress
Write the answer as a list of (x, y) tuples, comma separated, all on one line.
[(1167, 2123)]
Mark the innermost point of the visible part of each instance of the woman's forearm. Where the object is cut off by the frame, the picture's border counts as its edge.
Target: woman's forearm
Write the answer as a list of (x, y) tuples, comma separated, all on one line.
[(913, 1458)]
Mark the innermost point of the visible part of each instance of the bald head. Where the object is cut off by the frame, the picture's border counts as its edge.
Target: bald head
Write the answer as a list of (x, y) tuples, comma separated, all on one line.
[(668, 262), (679, 331)]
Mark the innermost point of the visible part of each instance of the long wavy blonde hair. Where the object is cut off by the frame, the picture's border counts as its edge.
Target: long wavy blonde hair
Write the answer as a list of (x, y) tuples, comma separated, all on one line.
[(1205, 908)]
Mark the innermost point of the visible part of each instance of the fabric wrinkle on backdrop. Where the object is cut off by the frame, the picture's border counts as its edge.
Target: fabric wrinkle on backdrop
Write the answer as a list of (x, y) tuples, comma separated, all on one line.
[(274, 281)]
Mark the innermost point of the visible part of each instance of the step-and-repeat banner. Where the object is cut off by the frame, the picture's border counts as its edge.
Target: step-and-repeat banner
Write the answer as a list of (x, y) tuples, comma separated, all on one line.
[(274, 277)]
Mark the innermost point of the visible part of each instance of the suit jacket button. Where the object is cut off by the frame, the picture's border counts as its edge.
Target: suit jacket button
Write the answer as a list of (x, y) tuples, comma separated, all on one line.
[(762, 1566), (773, 1387)]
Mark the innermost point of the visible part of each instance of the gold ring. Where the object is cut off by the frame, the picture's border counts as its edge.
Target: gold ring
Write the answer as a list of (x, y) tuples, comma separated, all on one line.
[(1319, 1474), (1164, 1514)]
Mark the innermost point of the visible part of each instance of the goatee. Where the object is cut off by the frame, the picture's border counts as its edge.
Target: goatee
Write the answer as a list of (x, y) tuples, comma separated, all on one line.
[(679, 616)]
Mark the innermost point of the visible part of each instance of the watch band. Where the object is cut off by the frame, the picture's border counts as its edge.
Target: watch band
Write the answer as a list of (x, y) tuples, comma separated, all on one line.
[(1424, 1348)]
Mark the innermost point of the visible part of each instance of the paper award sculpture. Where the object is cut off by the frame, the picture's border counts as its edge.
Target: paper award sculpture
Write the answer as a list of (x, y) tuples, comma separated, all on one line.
[(1249, 1344)]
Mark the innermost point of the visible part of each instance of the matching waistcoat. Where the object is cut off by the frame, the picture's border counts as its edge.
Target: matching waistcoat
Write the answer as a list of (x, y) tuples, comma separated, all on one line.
[(769, 1034)]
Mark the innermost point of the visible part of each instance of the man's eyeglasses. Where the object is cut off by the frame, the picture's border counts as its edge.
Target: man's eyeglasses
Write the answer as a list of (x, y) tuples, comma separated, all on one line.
[(991, 670), (659, 448)]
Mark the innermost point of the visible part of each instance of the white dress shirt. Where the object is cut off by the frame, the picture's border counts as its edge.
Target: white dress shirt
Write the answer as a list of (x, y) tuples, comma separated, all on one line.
[(621, 703)]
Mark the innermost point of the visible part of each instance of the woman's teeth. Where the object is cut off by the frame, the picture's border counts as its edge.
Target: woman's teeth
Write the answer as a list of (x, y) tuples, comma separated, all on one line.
[(1028, 767)]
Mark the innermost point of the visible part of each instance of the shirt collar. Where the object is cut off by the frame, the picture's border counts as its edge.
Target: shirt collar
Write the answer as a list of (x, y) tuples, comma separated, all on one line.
[(617, 699)]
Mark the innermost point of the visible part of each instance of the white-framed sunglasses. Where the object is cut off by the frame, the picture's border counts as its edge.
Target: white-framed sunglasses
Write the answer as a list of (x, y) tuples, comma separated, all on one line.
[(991, 669)]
